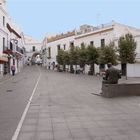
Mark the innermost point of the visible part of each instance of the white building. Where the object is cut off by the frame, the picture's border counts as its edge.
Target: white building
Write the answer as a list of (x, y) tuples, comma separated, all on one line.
[(3, 36), (104, 34), (97, 36), (32, 47), (16, 47), (11, 46), (53, 44)]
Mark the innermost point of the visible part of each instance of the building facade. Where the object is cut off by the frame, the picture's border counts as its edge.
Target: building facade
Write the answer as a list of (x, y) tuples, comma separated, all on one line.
[(3, 36), (32, 49), (97, 36), (11, 45), (52, 45)]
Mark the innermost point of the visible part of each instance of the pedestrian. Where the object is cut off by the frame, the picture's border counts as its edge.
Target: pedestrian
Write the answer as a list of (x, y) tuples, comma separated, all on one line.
[(13, 69)]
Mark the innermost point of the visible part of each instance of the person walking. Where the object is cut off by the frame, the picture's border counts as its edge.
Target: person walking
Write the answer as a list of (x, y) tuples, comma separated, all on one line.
[(13, 69)]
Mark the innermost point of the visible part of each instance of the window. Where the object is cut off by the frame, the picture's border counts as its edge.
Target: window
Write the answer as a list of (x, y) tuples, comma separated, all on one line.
[(13, 61), (92, 43), (3, 20), (82, 44), (64, 46), (58, 47), (102, 42), (11, 46), (49, 53), (3, 43), (71, 44), (33, 48)]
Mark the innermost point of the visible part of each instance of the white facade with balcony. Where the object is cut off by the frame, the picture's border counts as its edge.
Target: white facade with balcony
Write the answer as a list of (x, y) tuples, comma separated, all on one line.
[(95, 35), (4, 35), (110, 32), (11, 45)]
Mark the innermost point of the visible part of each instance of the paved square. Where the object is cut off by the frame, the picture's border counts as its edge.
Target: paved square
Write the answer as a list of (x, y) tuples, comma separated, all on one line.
[(63, 108)]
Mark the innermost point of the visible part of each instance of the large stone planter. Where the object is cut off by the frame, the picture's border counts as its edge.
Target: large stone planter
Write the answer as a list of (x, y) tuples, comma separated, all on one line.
[(123, 89)]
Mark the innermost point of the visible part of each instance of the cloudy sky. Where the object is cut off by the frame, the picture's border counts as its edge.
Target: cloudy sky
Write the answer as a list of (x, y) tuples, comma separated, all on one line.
[(38, 17)]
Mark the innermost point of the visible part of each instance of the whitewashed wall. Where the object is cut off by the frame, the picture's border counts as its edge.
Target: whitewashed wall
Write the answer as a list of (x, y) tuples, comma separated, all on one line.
[(108, 36), (29, 47), (133, 70), (53, 46), (3, 29), (109, 33)]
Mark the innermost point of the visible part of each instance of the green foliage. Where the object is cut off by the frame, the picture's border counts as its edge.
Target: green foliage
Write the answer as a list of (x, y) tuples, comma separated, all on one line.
[(66, 58), (92, 55), (107, 54), (73, 55), (60, 56), (127, 47), (92, 58), (82, 53)]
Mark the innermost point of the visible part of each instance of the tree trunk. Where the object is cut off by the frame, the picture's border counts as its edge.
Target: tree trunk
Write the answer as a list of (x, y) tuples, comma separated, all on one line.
[(123, 67), (64, 67), (92, 69), (71, 69)]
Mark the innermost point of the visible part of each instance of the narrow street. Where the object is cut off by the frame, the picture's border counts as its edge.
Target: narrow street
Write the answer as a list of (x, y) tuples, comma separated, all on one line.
[(14, 95), (64, 108)]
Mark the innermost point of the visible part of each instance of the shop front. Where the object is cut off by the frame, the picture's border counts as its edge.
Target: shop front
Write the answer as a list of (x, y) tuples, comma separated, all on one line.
[(3, 64)]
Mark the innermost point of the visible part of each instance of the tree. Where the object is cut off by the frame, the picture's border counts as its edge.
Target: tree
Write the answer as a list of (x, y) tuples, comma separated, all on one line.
[(107, 54), (126, 49), (66, 59), (92, 58), (73, 53), (82, 56), (60, 58)]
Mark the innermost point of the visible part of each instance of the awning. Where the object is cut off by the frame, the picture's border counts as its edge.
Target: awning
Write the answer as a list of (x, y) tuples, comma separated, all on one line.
[(3, 58), (12, 30)]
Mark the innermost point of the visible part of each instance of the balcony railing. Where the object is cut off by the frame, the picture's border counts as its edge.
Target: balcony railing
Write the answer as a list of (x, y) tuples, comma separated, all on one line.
[(102, 26), (7, 50), (20, 50)]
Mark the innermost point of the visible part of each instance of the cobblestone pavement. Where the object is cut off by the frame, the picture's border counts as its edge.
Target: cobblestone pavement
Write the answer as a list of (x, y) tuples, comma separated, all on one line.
[(64, 108)]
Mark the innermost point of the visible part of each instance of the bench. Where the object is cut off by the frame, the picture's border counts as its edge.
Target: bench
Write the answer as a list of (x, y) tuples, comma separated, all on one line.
[(122, 89)]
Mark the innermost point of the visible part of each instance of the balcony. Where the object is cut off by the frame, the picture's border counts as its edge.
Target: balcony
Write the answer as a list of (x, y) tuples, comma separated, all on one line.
[(19, 50), (7, 50)]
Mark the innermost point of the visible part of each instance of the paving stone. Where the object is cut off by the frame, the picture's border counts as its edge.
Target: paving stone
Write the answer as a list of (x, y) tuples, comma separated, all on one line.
[(62, 134), (30, 121), (28, 128), (26, 136), (120, 137), (45, 135), (63, 108)]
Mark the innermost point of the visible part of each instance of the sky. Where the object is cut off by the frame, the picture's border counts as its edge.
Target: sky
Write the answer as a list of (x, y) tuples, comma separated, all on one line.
[(38, 17)]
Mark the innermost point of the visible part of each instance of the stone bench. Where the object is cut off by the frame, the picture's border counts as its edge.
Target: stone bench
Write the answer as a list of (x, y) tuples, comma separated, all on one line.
[(122, 89)]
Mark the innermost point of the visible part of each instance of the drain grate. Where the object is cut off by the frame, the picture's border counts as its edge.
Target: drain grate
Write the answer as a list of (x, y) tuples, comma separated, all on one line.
[(9, 90)]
